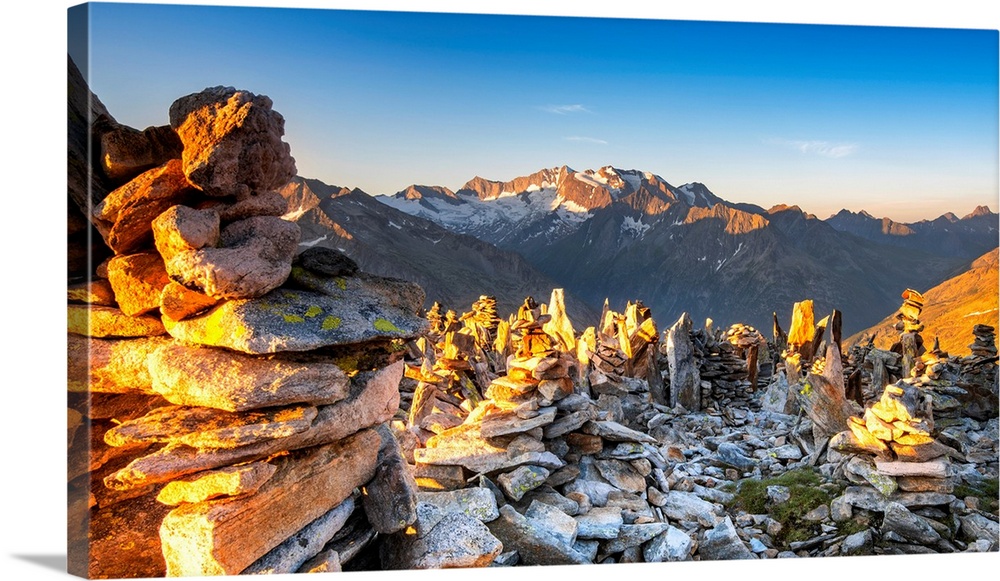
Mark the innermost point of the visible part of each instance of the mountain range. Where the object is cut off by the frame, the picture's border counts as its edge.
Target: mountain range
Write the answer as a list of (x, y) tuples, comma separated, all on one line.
[(626, 234)]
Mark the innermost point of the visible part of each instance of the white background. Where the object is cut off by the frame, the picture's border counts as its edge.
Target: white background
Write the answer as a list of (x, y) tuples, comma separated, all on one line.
[(32, 315)]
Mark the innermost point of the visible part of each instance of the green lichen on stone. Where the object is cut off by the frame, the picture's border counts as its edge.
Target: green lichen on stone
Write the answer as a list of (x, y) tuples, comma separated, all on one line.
[(288, 294), (330, 323), (385, 326), (313, 311), (292, 318), (341, 283)]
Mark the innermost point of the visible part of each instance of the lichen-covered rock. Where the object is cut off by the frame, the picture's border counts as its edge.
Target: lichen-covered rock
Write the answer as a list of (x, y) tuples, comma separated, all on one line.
[(535, 544), (723, 543), (294, 320), (253, 204), (232, 141), (254, 257), (123, 218)]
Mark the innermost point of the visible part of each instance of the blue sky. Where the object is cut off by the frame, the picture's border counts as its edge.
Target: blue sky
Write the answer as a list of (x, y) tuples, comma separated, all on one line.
[(898, 121)]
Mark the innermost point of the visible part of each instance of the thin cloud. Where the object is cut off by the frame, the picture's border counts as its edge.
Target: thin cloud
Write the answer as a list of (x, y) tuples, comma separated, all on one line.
[(565, 109), (816, 147), (580, 139)]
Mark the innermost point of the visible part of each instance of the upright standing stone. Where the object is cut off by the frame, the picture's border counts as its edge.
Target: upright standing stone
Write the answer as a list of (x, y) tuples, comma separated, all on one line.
[(685, 381)]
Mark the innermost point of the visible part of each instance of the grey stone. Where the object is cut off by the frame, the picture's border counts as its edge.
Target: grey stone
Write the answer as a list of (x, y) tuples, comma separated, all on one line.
[(599, 523), (522, 479), (686, 506), (778, 397), (857, 544), (732, 455), (977, 527), (778, 494), (865, 469), (476, 502), (568, 423), (621, 475), (757, 546), (587, 547), (557, 522), (788, 452), (633, 536), (870, 499), (723, 543), (615, 432), (685, 381), (840, 509), (457, 540), (535, 545), (508, 559), (390, 498), (670, 545), (303, 545), (910, 526), (326, 262), (504, 423), (713, 494), (544, 494)]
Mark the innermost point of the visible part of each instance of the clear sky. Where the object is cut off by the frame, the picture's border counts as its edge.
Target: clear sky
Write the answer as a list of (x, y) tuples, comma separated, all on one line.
[(901, 122)]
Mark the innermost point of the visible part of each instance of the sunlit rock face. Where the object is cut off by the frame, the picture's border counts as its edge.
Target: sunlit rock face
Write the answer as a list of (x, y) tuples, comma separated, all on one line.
[(241, 442), (232, 142)]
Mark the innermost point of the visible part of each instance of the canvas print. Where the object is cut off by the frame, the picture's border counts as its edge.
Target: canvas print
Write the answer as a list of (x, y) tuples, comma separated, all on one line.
[(370, 291)]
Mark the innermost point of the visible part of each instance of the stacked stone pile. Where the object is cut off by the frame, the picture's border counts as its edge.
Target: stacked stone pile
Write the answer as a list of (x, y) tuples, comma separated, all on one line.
[(722, 360), (228, 402)]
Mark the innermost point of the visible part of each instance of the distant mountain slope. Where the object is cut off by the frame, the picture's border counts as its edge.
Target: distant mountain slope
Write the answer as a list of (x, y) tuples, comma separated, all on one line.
[(951, 309), (628, 234), (453, 269), (946, 235)]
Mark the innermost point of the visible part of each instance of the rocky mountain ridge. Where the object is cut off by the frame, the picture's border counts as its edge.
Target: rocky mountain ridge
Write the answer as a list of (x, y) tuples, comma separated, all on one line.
[(685, 249)]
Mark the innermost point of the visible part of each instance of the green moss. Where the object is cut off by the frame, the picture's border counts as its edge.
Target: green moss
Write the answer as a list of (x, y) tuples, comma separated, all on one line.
[(386, 326), (986, 491), (804, 484), (313, 311), (348, 363), (341, 283), (330, 323)]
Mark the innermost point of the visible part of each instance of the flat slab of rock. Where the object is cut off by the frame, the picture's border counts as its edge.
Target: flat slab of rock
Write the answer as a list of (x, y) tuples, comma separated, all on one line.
[(534, 544), (294, 320), (464, 446), (299, 548), (633, 536), (615, 432), (599, 523), (228, 481), (557, 522), (387, 291), (110, 365), (110, 322), (231, 381), (899, 519), (224, 537), (201, 427), (504, 423), (374, 398), (933, 469), (621, 475), (870, 499)]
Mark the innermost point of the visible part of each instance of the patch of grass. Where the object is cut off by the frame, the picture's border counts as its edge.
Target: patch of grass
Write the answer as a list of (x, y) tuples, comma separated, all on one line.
[(804, 485), (987, 493)]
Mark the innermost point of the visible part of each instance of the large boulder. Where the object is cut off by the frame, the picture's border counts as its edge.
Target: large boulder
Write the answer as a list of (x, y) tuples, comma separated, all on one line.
[(254, 257), (127, 152), (232, 142)]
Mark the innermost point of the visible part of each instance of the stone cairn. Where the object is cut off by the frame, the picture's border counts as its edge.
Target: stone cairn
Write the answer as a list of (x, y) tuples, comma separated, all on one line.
[(228, 402)]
